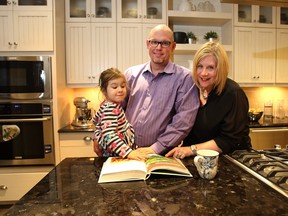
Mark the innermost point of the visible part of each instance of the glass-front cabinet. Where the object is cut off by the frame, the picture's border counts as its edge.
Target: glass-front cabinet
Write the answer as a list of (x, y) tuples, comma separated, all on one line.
[(90, 10), (282, 17), (26, 4), (254, 15), (148, 11)]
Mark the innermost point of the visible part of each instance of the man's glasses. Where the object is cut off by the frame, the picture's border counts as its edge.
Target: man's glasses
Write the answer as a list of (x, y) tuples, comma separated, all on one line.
[(155, 43)]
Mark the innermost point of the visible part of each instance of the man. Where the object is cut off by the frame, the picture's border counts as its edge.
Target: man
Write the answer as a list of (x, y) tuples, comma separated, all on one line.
[(162, 101)]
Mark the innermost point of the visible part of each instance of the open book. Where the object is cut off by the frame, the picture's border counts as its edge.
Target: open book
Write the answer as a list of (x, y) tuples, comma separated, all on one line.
[(122, 169)]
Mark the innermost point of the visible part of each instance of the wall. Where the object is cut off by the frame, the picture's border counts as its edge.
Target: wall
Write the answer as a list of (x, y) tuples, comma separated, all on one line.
[(259, 95)]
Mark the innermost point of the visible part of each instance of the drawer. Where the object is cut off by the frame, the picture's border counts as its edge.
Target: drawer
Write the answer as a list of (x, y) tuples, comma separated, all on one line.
[(76, 145), (15, 185)]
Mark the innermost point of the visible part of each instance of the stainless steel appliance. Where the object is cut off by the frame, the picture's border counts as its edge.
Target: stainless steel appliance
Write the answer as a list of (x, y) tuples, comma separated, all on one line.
[(268, 165), (35, 143), (25, 77), (83, 114)]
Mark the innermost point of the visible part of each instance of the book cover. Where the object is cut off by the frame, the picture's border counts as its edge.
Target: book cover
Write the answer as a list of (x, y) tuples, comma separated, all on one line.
[(122, 169)]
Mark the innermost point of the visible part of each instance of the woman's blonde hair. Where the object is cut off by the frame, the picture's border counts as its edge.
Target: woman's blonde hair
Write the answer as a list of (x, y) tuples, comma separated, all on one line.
[(222, 63)]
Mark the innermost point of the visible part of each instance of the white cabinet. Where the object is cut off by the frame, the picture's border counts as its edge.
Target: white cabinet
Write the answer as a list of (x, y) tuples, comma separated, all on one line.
[(76, 144), (135, 19), (90, 44), (254, 55), (148, 11), (254, 15), (15, 182), (282, 17), (26, 27), (90, 10), (282, 56), (131, 44)]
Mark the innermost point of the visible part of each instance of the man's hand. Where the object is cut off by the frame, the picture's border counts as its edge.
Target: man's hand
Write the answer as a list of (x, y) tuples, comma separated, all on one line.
[(97, 148)]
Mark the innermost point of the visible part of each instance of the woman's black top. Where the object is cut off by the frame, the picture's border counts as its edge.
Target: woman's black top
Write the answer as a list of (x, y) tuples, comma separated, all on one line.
[(224, 119)]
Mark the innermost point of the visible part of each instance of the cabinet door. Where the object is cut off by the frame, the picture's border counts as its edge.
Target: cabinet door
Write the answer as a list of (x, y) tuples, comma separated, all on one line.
[(282, 56), (31, 5), (104, 10), (78, 10), (254, 16), (255, 55), (148, 11), (264, 57), (33, 31), (129, 45), (243, 52), (104, 49), (6, 26), (282, 17), (78, 53)]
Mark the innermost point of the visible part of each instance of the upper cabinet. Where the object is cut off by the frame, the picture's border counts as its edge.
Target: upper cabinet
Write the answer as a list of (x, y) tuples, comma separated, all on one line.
[(90, 11), (26, 25), (25, 5), (254, 16), (147, 11), (282, 17), (90, 40)]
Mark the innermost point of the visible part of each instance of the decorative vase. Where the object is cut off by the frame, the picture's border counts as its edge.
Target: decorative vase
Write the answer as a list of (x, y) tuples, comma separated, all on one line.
[(185, 6)]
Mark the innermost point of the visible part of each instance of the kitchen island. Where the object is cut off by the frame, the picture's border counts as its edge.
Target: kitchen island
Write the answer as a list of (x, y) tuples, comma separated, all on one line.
[(71, 188)]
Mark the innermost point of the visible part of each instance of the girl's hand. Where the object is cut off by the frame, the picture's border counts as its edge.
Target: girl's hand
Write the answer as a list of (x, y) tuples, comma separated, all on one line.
[(97, 148), (137, 155)]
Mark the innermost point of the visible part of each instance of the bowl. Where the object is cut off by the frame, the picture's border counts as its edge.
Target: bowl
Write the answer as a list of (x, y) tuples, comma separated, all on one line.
[(254, 116), (180, 37)]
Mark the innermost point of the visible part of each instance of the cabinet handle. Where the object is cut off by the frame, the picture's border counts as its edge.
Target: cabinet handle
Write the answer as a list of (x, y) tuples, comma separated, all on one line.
[(8, 2), (15, 43), (93, 77), (14, 2), (3, 187), (89, 77), (88, 15), (87, 138), (10, 44), (92, 15)]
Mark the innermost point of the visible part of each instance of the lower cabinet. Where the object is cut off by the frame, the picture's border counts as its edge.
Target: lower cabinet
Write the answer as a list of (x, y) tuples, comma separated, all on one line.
[(16, 182), (76, 145)]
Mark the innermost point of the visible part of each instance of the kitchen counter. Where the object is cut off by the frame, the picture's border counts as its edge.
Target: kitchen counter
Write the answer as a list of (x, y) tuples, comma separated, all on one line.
[(71, 188), (261, 124)]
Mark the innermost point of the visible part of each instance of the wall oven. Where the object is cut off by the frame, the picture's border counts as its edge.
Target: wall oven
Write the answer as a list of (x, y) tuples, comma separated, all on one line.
[(33, 144), (25, 77)]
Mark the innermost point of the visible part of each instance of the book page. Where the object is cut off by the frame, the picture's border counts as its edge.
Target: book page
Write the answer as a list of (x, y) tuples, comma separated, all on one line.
[(158, 164), (122, 169)]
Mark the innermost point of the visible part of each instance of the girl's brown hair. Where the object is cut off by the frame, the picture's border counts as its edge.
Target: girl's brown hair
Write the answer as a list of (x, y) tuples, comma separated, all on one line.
[(222, 63), (107, 75)]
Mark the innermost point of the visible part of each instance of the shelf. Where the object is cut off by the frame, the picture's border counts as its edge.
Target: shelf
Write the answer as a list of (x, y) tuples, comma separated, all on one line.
[(192, 48), (198, 18)]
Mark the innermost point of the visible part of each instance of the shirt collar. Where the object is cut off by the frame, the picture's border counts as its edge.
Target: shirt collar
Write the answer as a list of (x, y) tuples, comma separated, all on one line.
[(169, 68)]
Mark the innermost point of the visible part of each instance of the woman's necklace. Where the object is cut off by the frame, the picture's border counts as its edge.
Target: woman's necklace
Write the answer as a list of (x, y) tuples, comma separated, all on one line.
[(204, 94)]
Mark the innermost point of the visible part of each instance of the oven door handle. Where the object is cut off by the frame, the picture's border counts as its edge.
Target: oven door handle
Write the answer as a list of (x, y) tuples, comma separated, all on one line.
[(269, 130), (25, 120)]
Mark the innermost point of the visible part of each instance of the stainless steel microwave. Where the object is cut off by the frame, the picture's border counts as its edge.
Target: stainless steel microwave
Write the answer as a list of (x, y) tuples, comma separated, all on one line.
[(25, 77)]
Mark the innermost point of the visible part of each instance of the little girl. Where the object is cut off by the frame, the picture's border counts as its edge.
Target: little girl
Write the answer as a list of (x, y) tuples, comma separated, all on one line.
[(113, 132)]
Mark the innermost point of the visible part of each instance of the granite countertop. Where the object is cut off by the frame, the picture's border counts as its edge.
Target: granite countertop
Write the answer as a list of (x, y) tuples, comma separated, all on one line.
[(71, 188), (71, 128)]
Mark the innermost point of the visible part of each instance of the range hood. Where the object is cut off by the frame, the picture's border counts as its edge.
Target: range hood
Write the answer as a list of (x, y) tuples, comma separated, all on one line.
[(278, 3)]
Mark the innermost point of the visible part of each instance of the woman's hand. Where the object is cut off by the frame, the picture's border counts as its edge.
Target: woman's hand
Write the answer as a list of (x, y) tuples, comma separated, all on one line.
[(180, 152), (97, 148)]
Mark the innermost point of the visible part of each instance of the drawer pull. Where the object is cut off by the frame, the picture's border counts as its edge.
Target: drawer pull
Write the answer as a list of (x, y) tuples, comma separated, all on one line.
[(87, 138), (3, 187)]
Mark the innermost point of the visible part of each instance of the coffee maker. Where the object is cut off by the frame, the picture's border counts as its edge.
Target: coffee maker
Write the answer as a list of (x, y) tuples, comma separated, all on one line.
[(83, 115)]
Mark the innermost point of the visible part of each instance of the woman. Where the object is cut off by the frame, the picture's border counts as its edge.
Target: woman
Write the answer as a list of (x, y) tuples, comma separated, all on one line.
[(222, 122)]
